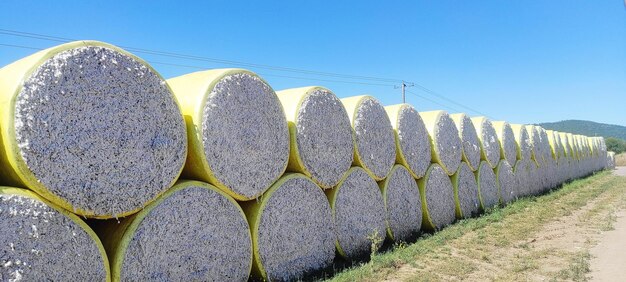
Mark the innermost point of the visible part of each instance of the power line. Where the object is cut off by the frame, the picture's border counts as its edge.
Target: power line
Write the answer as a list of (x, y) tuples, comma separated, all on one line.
[(201, 58), (260, 66), (204, 68), (424, 89), (433, 101)]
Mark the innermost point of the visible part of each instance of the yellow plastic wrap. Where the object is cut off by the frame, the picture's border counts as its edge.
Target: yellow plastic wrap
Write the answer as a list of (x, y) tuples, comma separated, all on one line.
[(292, 99), (393, 112), (191, 90), (14, 170), (71, 216), (352, 104), (116, 236)]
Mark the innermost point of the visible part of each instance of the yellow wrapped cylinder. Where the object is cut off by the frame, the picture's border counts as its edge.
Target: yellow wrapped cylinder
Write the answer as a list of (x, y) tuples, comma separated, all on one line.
[(445, 143), (91, 128), (374, 141), (292, 229), (41, 241), (320, 133), (194, 231), (237, 131), (412, 143)]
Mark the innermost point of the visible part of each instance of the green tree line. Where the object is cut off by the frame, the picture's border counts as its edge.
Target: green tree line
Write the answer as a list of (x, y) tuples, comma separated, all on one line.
[(616, 145)]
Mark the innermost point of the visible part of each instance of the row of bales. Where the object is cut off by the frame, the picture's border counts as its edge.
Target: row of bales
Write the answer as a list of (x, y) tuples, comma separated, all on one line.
[(113, 173)]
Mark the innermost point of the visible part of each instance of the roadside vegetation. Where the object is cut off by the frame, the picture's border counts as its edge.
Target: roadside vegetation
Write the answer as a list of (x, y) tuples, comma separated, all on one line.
[(541, 237), (620, 160)]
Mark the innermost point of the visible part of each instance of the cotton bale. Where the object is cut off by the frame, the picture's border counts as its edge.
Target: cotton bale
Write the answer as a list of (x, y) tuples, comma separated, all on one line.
[(40, 241), (533, 136), (237, 131), (375, 147), (521, 172), (445, 143), (554, 144), (523, 141), (403, 205), (489, 143), (508, 146), (469, 140), (437, 195), (465, 192), (194, 231), (567, 148), (91, 128), (292, 229), (487, 187), (412, 142), (321, 135), (506, 182), (358, 211)]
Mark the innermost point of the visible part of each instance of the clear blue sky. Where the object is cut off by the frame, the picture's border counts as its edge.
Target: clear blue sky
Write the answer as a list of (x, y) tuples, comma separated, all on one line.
[(520, 61)]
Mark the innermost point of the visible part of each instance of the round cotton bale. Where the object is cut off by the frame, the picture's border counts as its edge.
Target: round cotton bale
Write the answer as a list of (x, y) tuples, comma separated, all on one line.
[(508, 146), (194, 231), (506, 182), (469, 140), (402, 204), (375, 148), (437, 194), (412, 143), (554, 144), (359, 214), (533, 137), (487, 186), (567, 148), (91, 128), (238, 134), (292, 229), (321, 135), (489, 144), (522, 141), (444, 140), (39, 241), (465, 192), (520, 171)]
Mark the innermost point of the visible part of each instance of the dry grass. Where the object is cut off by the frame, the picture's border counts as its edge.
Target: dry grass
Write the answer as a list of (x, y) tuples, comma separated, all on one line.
[(620, 160), (535, 238)]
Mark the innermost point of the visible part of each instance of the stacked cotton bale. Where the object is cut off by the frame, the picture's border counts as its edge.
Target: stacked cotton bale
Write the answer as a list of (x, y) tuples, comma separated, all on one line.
[(413, 148), (358, 213), (91, 128), (437, 195), (508, 146), (321, 135), (521, 170), (533, 137), (506, 182), (192, 232), (444, 140), (469, 140), (465, 192), (292, 230), (375, 148), (566, 163), (238, 134), (487, 187), (402, 204), (39, 241), (522, 140), (489, 144)]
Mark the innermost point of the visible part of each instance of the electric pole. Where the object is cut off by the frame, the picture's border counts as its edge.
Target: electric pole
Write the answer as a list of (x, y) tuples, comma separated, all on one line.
[(403, 86)]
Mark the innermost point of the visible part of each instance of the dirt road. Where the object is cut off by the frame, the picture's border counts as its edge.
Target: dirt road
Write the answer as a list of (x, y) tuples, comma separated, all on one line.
[(609, 255)]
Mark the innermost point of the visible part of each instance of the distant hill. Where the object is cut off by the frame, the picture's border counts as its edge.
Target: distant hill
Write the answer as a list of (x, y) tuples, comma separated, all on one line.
[(588, 128)]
